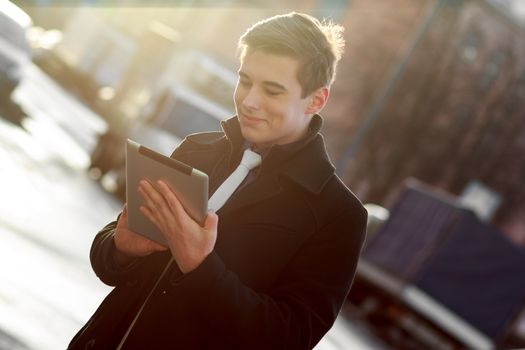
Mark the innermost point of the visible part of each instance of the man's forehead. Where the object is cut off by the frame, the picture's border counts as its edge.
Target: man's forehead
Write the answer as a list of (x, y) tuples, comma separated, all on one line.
[(264, 66)]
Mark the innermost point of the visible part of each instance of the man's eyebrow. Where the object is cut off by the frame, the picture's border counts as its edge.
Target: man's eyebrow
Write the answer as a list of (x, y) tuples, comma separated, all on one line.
[(242, 74), (271, 83)]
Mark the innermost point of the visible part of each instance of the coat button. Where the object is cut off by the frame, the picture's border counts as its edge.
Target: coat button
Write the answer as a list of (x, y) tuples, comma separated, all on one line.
[(132, 282), (90, 344)]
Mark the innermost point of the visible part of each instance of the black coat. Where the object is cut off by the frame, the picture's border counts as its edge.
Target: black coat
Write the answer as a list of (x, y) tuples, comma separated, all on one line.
[(284, 260)]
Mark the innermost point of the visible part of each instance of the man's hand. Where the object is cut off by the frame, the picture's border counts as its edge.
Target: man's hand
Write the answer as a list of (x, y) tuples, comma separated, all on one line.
[(189, 242), (130, 244)]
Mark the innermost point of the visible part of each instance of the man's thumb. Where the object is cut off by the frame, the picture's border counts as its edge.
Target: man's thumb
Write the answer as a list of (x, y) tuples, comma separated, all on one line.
[(211, 220)]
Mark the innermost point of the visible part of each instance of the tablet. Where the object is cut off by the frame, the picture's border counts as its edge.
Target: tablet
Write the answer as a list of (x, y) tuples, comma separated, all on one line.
[(189, 184)]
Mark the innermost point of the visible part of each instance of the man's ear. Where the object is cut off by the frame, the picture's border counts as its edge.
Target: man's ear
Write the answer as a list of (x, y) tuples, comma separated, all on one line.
[(318, 99)]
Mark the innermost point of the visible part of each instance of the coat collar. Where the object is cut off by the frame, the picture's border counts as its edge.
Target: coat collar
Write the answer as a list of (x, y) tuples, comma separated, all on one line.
[(307, 163), (310, 167)]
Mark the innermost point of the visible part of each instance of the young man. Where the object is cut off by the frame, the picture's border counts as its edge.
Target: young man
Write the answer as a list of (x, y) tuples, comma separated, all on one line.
[(272, 267)]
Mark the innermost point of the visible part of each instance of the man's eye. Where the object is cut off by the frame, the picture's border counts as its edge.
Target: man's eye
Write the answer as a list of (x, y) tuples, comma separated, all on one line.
[(273, 93)]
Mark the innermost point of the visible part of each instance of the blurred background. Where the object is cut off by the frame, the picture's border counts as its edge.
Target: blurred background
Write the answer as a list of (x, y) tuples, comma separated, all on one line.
[(425, 123)]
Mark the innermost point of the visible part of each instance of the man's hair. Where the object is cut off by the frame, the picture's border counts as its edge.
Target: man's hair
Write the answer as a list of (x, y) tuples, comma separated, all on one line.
[(317, 45)]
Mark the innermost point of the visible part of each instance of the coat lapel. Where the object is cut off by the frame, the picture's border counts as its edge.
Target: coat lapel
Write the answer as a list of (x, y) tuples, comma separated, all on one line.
[(266, 186)]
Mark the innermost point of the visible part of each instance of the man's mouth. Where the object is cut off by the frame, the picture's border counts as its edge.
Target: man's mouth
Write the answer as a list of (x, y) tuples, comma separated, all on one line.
[(250, 119)]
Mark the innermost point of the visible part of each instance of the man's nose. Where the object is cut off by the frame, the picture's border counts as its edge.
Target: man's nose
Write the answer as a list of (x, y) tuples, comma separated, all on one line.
[(251, 100)]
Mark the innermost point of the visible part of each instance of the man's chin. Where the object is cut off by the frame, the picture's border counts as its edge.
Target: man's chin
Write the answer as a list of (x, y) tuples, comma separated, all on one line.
[(250, 135)]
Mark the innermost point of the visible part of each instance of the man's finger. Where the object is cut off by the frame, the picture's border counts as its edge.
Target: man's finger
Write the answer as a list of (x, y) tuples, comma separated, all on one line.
[(158, 247), (173, 201), (211, 221), (152, 199), (162, 206), (149, 214)]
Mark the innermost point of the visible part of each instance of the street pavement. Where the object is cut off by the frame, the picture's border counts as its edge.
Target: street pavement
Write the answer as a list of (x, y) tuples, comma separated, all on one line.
[(50, 210)]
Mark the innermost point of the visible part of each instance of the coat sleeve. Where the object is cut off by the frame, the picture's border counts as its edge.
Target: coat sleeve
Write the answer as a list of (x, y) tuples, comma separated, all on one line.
[(303, 304), (102, 258)]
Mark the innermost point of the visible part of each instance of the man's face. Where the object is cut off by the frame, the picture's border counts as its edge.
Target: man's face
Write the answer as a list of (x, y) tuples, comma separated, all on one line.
[(268, 100)]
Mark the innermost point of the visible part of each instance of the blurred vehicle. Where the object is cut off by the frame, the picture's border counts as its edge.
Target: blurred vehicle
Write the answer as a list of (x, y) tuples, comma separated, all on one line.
[(15, 51), (43, 42), (377, 215), (436, 276)]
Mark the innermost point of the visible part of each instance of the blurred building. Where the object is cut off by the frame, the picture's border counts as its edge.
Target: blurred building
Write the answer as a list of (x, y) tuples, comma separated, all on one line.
[(456, 113)]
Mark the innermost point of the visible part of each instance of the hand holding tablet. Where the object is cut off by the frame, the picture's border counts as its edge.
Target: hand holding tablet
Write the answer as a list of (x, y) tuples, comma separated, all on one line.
[(190, 186)]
